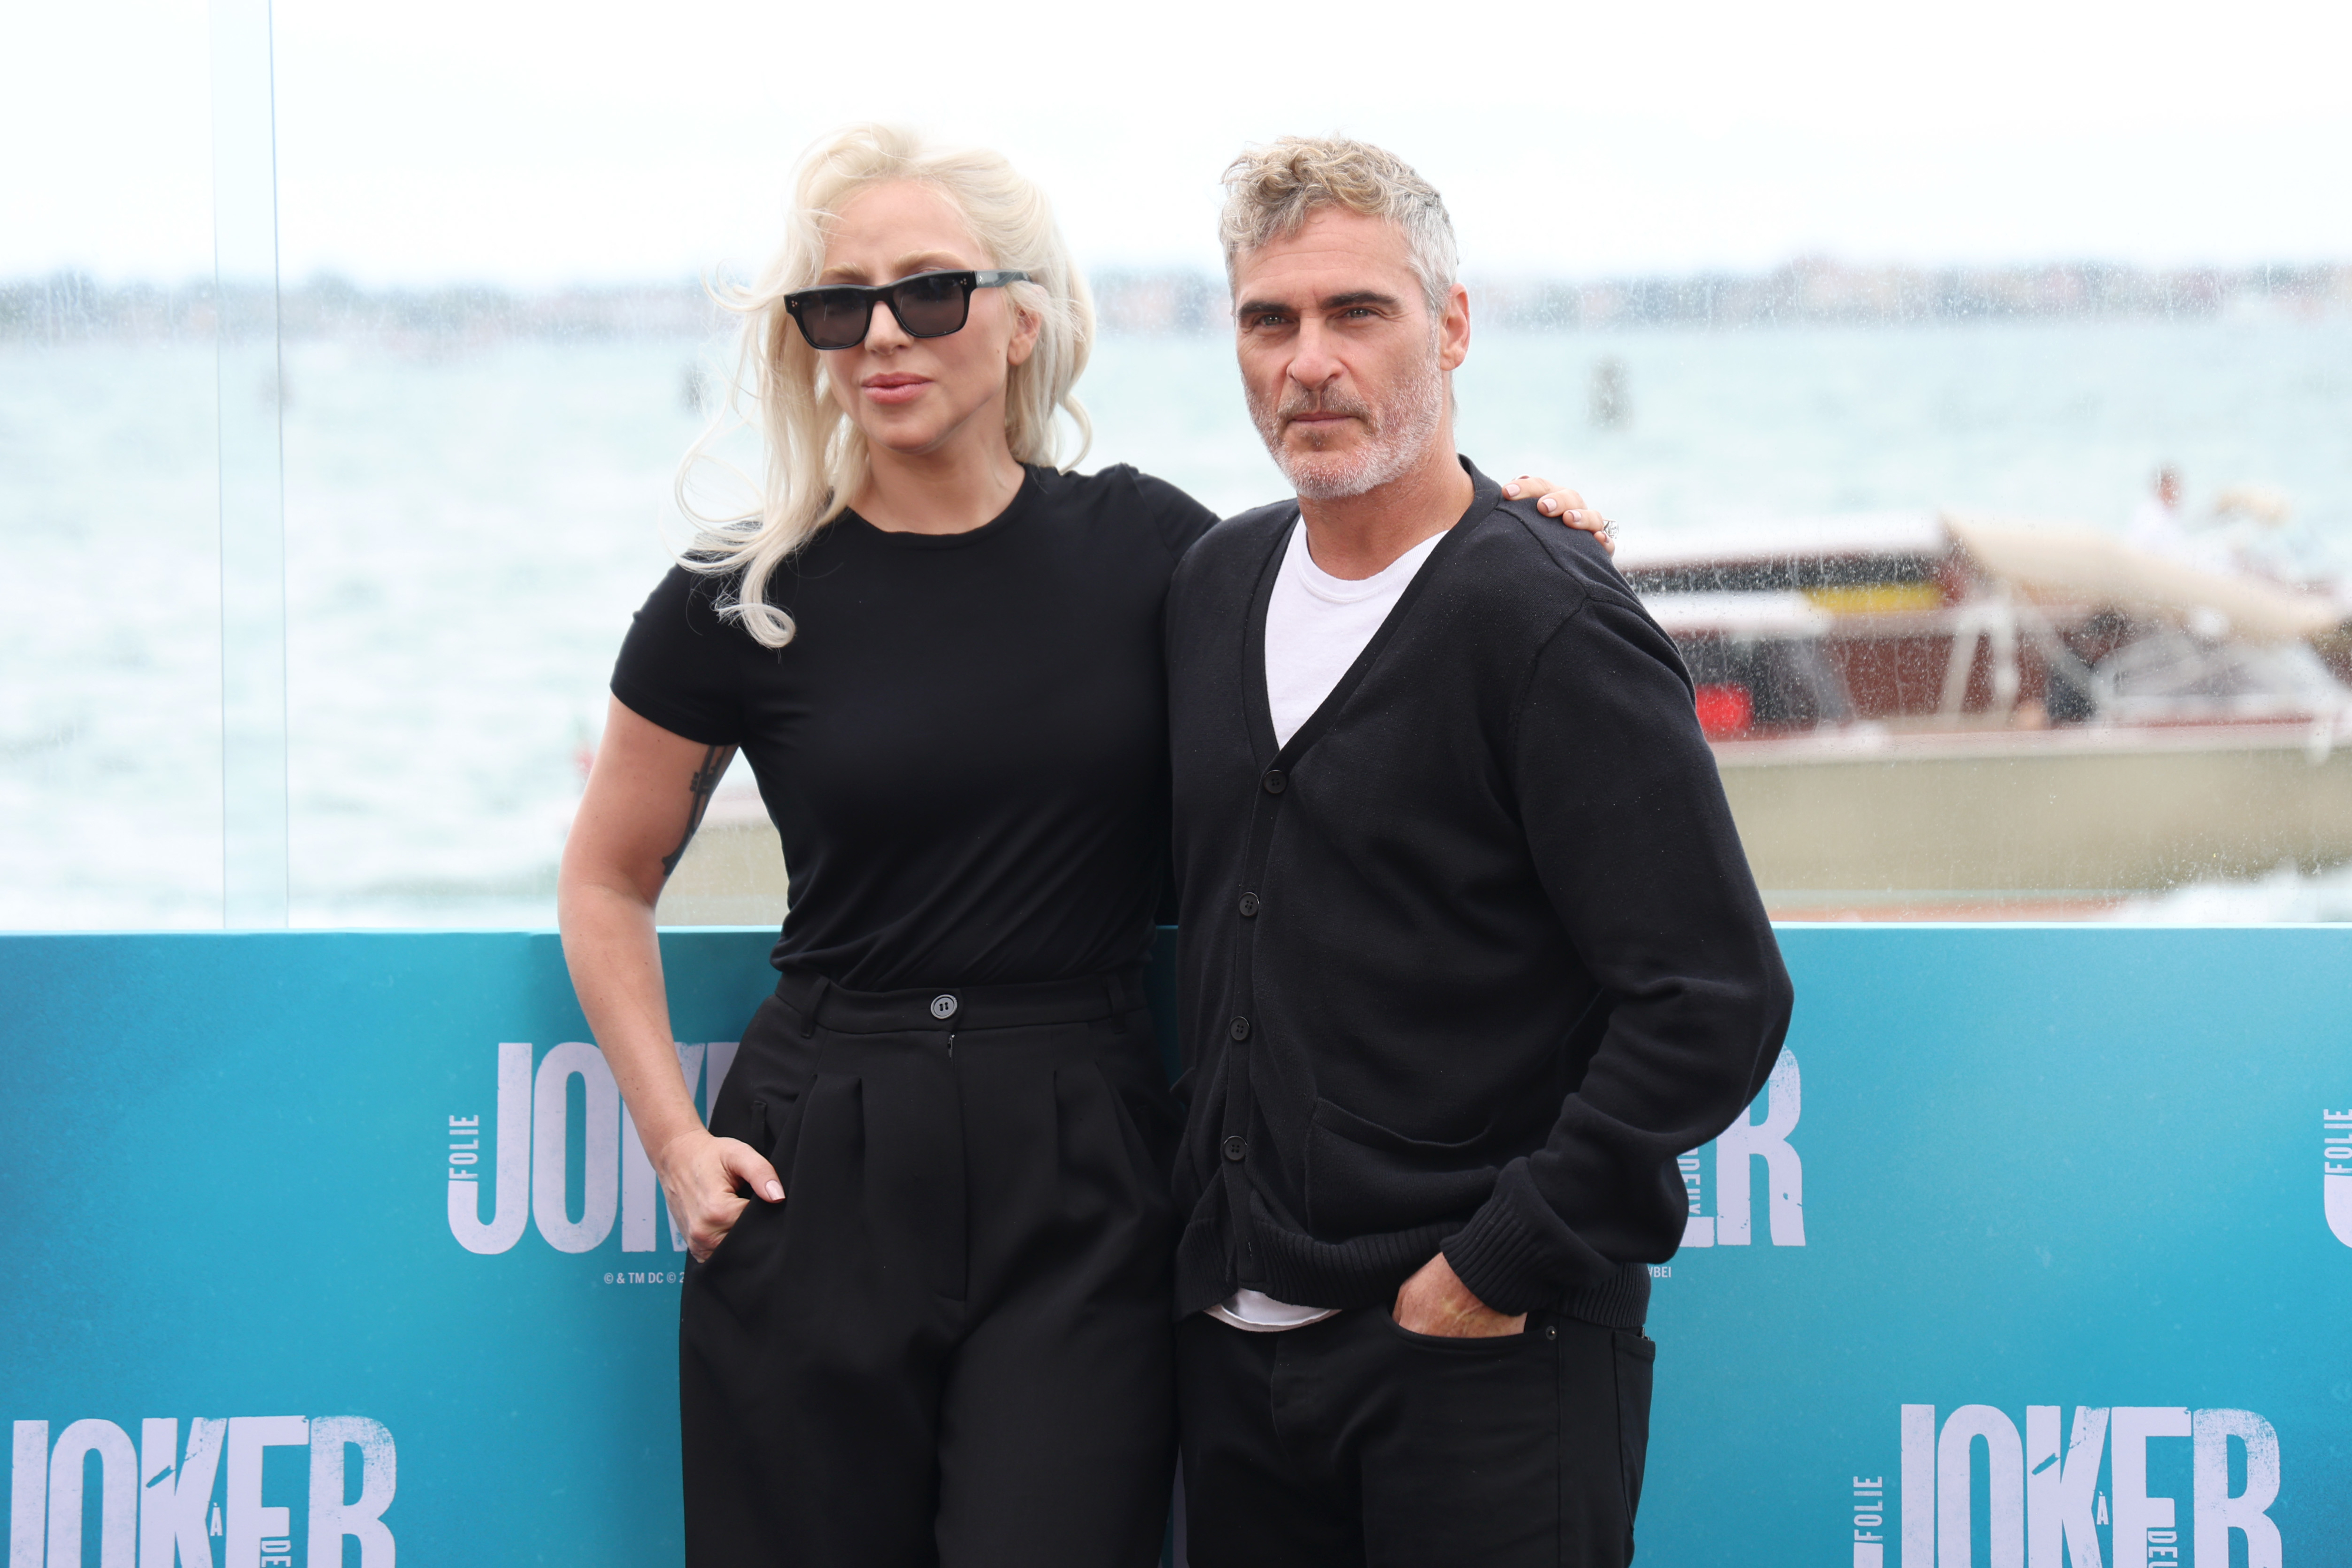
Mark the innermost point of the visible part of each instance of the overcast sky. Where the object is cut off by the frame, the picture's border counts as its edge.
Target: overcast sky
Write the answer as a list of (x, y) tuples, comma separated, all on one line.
[(534, 143)]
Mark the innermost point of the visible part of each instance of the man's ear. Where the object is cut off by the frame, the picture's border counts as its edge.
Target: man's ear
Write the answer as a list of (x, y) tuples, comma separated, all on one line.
[(1453, 330)]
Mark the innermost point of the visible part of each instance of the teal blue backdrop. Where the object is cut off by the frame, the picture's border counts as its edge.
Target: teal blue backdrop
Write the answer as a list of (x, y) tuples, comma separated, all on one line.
[(325, 1246)]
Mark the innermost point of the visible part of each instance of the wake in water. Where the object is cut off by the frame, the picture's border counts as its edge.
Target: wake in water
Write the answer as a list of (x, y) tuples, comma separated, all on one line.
[(2285, 897)]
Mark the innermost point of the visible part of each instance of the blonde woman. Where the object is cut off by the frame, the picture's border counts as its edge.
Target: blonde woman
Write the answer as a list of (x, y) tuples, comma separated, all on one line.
[(940, 655)]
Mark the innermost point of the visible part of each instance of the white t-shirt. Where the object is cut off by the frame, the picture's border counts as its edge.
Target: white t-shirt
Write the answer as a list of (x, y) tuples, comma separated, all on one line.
[(1316, 626)]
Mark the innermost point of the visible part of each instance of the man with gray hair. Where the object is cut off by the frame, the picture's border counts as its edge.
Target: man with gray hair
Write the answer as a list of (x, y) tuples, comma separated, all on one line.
[(1469, 952)]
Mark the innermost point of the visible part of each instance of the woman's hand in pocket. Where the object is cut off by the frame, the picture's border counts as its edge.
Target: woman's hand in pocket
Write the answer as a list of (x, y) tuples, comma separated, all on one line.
[(705, 1179)]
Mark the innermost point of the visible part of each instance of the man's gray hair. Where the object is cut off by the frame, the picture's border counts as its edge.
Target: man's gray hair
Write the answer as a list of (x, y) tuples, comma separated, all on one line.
[(1270, 191)]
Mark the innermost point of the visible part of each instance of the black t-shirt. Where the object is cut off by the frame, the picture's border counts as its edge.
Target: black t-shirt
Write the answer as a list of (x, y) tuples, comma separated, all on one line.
[(964, 747)]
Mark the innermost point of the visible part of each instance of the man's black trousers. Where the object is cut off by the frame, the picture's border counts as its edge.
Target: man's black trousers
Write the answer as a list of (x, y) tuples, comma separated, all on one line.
[(950, 1343), (1352, 1443)]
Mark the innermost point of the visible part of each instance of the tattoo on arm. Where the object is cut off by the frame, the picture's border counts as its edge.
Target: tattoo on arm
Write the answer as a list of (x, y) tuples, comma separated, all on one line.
[(701, 787)]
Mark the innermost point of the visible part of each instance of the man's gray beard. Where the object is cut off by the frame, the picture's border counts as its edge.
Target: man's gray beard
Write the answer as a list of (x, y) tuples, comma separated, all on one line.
[(1397, 437)]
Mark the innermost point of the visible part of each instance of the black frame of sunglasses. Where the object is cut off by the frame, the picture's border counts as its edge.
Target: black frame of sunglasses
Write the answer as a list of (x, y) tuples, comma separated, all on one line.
[(885, 294)]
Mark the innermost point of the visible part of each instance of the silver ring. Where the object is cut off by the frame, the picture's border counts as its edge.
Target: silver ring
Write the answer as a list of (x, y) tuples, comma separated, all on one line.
[(1608, 529)]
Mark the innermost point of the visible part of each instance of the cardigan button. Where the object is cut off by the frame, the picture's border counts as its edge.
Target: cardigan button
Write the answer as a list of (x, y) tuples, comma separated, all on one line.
[(1275, 781), (1240, 1029), (1249, 904), (1236, 1149)]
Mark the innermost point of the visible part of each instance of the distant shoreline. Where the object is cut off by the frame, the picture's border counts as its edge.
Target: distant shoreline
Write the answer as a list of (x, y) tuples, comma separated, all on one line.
[(73, 307)]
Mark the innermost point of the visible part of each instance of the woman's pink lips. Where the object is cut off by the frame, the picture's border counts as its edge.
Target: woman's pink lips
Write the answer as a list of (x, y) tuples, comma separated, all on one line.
[(895, 389)]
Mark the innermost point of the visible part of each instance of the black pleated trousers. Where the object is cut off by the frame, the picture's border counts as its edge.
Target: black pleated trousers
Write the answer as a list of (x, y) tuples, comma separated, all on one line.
[(1352, 1443), (950, 1343)]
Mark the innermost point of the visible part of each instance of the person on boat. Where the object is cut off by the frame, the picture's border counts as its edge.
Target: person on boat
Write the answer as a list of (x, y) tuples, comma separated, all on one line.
[(1468, 949), (927, 1316), (2160, 527)]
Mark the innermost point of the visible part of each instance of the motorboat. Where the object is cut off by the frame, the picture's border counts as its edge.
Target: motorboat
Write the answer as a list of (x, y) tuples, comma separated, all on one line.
[(1924, 714)]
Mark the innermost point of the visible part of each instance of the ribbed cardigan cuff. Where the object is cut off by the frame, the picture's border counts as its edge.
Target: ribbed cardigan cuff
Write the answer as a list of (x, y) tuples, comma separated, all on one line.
[(1504, 1260), (1511, 1266), (1362, 1271)]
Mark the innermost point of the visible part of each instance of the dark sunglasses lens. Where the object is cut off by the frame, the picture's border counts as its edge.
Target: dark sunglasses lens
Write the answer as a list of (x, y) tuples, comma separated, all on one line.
[(931, 306), (835, 317)]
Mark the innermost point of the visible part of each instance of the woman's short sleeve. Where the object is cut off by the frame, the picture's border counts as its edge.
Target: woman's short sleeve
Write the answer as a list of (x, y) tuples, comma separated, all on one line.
[(679, 665), (1178, 519)]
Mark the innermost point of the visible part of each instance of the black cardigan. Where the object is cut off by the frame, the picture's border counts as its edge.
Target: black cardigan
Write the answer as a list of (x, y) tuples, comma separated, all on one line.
[(1467, 962)]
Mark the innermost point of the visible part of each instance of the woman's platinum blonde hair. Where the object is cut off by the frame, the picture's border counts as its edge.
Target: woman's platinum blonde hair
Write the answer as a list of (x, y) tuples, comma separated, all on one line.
[(816, 458), (1270, 191)]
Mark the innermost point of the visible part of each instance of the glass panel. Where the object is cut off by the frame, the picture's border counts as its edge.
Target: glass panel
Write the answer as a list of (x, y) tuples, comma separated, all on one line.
[(1956, 653), (109, 479), (252, 467), (476, 492)]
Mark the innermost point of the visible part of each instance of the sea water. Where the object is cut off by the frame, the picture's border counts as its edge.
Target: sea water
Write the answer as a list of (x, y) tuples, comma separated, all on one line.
[(469, 525)]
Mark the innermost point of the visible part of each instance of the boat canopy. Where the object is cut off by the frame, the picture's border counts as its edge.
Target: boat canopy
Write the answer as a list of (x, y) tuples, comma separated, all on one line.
[(2051, 563), (1893, 561)]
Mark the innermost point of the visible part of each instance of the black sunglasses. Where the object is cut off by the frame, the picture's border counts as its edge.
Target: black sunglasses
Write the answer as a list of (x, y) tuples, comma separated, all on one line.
[(928, 305)]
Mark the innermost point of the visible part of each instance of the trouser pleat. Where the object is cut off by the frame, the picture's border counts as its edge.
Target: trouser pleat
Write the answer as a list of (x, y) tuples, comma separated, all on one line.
[(949, 1344)]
